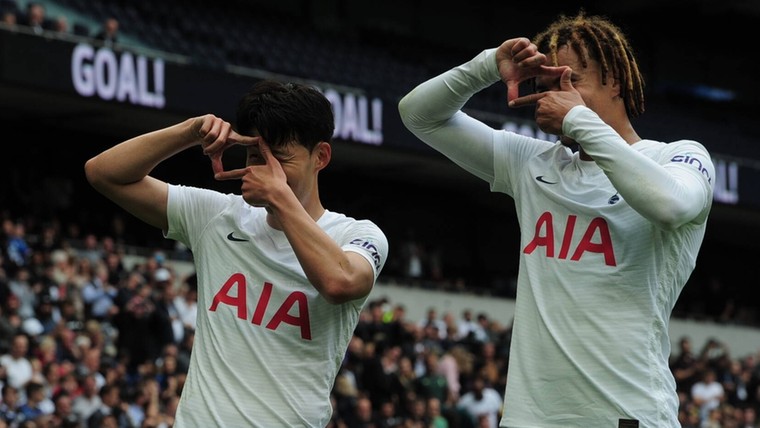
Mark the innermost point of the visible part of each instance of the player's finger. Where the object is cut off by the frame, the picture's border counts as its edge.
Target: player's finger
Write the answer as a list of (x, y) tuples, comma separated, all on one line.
[(266, 153), (216, 163), (526, 100), (565, 82), (550, 71), (216, 137), (513, 91), (243, 140), (233, 174)]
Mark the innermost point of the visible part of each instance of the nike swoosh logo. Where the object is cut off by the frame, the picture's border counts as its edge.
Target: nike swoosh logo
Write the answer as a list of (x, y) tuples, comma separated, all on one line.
[(232, 238), (541, 179)]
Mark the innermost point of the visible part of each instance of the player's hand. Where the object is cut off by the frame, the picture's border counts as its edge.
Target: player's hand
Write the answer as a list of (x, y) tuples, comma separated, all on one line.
[(216, 135), (552, 105), (263, 178), (519, 60)]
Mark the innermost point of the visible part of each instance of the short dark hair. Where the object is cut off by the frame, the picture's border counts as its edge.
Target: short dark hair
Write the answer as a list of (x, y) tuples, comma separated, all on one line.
[(286, 113)]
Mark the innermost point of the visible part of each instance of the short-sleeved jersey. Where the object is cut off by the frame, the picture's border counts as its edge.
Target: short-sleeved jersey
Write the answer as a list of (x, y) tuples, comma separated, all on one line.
[(267, 345)]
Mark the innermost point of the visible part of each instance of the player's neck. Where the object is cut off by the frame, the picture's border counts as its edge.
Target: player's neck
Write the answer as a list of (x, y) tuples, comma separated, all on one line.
[(315, 211)]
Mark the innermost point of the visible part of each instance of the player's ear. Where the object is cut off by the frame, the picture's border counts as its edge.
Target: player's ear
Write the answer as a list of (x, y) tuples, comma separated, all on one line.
[(614, 87), (322, 155)]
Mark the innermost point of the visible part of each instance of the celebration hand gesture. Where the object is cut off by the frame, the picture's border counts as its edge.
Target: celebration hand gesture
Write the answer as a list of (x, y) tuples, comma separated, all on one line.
[(519, 60), (216, 136), (552, 105), (263, 177)]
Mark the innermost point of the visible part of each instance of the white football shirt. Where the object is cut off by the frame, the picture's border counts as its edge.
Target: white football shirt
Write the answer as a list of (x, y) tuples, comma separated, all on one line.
[(267, 345), (606, 248)]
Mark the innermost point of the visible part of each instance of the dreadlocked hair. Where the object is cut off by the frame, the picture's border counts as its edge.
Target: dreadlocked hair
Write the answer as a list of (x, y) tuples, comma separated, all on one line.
[(597, 38)]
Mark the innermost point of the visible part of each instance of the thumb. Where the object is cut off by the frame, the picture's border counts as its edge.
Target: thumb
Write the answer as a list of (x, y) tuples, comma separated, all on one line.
[(265, 151), (565, 82)]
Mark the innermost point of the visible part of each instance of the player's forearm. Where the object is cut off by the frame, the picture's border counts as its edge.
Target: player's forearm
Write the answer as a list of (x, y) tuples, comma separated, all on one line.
[(668, 197), (431, 111), (436, 100), (132, 160), (326, 265)]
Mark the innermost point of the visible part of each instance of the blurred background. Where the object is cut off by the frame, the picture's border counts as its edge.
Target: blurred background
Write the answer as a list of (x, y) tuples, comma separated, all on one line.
[(68, 90)]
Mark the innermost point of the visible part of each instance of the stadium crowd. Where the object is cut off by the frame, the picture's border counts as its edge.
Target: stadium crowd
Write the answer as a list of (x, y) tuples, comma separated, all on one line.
[(88, 341)]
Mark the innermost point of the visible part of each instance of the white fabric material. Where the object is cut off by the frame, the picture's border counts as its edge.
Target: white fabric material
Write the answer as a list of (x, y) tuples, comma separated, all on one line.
[(272, 361), (606, 248)]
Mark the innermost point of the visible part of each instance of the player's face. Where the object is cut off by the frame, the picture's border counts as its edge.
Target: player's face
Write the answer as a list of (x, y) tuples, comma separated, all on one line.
[(586, 80), (299, 164)]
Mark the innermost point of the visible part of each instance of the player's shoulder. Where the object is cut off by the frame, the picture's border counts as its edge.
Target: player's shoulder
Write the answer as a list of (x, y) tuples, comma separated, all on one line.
[(199, 199), (339, 224), (667, 150), (336, 219), (688, 145)]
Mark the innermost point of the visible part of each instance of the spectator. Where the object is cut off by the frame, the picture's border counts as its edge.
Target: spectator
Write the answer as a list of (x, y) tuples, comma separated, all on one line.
[(482, 401), (46, 313), (109, 33), (168, 324), (451, 365), (491, 366), (186, 302), (371, 326), (381, 374), (60, 25), (7, 329), (684, 365), (418, 416), (707, 393), (31, 409), (35, 18), (434, 416), (136, 328), (9, 412), (9, 18), (86, 403), (387, 416), (92, 250), (99, 295), (21, 286), (749, 418), (467, 328), (432, 383), (364, 414), (63, 416), (17, 247), (735, 381), (17, 365), (110, 406), (431, 320)]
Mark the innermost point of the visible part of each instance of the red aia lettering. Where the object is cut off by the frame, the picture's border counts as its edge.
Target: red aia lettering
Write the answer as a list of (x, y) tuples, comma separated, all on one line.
[(281, 316), (544, 237)]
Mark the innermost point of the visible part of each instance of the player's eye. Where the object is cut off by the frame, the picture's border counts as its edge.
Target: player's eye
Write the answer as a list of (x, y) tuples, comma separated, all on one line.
[(254, 156)]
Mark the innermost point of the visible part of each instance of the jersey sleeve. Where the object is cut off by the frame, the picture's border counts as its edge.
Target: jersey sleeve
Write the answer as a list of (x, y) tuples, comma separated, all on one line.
[(366, 238), (670, 191), (189, 210), (432, 112)]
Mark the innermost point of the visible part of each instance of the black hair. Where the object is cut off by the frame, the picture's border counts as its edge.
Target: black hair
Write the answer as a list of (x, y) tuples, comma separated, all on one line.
[(286, 113)]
